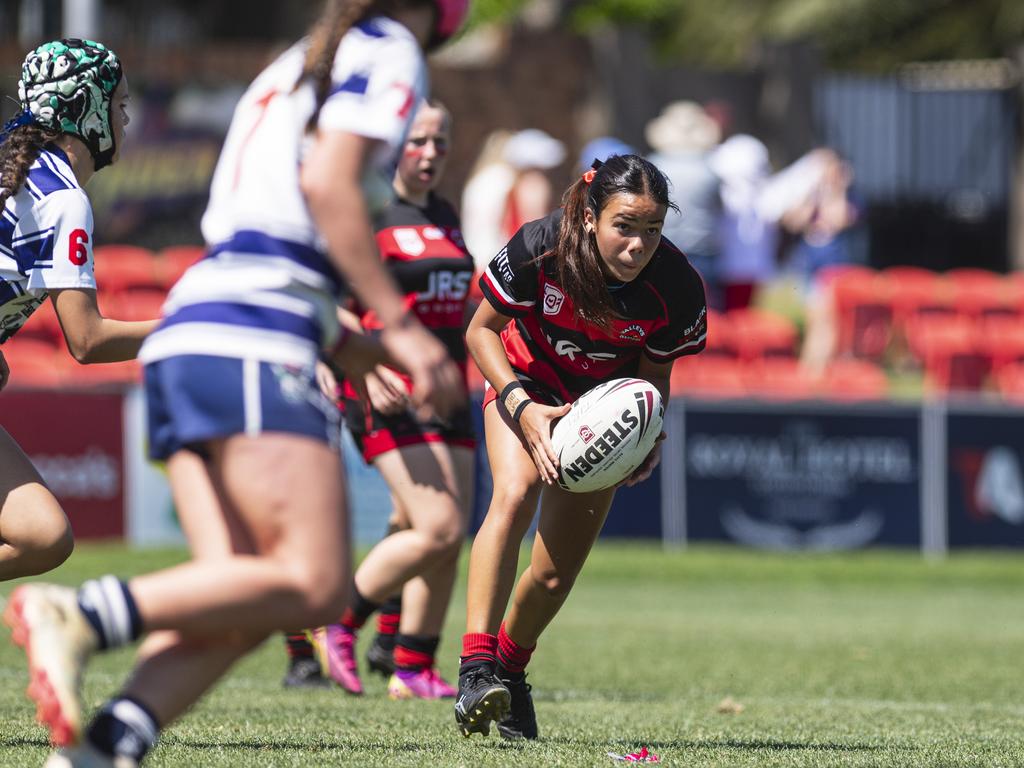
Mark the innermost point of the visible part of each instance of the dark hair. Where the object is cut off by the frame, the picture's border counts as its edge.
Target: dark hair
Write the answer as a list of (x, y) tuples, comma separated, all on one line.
[(18, 151), (575, 251), (337, 18)]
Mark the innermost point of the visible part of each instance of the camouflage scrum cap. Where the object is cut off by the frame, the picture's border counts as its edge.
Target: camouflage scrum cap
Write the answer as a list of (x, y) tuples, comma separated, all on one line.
[(67, 85)]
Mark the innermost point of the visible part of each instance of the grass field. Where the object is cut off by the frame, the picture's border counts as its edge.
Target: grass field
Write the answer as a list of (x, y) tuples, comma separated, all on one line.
[(874, 659)]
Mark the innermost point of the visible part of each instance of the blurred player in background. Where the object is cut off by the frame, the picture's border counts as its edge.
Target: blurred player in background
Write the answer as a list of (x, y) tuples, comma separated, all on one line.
[(426, 462), (588, 294), (233, 404), (72, 123)]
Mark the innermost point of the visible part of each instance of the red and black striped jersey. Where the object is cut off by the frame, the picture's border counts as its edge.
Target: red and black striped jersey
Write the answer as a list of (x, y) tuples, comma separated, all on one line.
[(424, 252), (662, 314)]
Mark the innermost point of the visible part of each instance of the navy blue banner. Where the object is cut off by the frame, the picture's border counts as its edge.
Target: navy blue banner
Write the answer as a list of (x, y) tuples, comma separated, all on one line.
[(985, 482), (803, 477)]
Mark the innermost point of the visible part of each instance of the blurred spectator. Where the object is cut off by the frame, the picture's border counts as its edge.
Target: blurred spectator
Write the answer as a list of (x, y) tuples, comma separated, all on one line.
[(508, 187), (682, 137), (601, 149), (748, 228), (820, 221)]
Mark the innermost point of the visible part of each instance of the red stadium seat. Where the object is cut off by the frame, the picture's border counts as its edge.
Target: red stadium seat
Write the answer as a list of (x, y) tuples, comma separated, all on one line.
[(779, 379), (708, 377), (1001, 337), (759, 334), (173, 261), (139, 304), (949, 350), (32, 362), (864, 312), (43, 325), (721, 340), (850, 380), (1010, 382), (979, 292), (917, 291), (123, 267)]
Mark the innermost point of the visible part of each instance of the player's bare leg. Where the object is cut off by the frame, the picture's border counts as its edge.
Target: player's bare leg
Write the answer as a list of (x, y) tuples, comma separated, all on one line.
[(35, 535)]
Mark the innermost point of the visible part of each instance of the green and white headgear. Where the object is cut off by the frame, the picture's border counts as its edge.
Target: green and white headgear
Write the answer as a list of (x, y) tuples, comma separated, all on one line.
[(67, 85)]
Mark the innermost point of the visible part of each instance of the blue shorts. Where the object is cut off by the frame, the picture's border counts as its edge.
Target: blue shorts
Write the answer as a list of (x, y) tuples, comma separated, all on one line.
[(194, 398)]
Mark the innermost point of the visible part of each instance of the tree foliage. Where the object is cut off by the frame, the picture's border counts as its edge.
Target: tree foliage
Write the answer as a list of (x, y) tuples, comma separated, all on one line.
[(873, 35)]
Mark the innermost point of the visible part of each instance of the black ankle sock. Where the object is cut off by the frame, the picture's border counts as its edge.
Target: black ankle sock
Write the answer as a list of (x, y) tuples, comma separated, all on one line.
[(124, 726), (358, 612)]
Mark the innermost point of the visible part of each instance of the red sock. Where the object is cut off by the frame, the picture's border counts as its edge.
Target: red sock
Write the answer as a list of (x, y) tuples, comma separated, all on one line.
[(512, 656), (387, 623), (412, 660), (298, 645), (479, 646)]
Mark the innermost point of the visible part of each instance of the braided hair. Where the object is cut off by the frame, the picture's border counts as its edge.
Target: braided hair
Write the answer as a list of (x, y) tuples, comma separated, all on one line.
[(18, 151)]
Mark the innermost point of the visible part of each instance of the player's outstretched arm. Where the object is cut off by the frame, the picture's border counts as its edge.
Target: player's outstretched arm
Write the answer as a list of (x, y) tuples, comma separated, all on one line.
[(92, 338)]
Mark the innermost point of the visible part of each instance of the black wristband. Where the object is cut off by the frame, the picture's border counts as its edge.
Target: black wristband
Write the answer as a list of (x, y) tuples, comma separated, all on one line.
[(512, 386), (519, 409)]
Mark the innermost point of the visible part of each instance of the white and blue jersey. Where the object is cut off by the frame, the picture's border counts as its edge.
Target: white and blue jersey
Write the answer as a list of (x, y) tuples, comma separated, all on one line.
[(266, 289), (243, 328), (45, 240)]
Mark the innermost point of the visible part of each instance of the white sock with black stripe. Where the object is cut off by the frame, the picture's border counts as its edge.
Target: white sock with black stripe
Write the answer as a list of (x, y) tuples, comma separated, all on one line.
[(109, 607)]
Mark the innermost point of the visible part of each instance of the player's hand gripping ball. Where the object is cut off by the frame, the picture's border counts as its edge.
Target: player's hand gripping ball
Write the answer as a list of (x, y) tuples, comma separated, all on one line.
[(607, 434)]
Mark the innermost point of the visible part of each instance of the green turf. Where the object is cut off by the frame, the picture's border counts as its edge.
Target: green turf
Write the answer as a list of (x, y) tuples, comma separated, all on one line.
[(875, 659)]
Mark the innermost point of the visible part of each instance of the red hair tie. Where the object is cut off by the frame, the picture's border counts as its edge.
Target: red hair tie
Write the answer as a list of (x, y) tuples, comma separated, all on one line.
[(589, 175)]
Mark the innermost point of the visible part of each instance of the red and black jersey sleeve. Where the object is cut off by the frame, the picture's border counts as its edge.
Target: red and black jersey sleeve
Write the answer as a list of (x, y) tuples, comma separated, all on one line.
[(510, 281), (686, 329)]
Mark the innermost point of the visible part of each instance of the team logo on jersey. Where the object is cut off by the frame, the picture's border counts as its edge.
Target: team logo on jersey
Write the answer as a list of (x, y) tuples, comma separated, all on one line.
[(633, 332), (553, 299), (504, 268), (409, 241), (586, 433)]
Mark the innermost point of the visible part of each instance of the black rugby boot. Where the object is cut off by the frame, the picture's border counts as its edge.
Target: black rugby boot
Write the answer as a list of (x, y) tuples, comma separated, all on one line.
[(521, 722), (380, 659), (482, 698), (304, 673)]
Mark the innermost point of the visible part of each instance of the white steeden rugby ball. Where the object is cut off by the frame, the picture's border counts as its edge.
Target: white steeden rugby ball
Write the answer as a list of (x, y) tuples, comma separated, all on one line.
[(607, 434)]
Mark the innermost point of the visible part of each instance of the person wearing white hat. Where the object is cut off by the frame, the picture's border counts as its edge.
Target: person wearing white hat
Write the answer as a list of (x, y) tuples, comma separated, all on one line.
[(508, 188), (681, 137)]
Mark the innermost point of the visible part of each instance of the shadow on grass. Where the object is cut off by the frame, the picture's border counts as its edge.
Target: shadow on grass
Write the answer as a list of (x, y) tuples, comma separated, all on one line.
[(753, 744), (24, 741), (321, 745)]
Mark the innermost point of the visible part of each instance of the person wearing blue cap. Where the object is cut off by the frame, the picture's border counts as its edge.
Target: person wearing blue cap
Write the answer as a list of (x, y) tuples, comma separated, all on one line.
[(601, 149)]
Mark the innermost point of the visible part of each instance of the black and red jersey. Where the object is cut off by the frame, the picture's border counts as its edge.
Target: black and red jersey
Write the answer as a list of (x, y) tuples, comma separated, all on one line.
[(661, 314), (424, 252)]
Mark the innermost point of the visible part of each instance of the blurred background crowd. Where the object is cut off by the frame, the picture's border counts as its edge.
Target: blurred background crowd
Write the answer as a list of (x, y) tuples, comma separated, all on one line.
[(848, 175)]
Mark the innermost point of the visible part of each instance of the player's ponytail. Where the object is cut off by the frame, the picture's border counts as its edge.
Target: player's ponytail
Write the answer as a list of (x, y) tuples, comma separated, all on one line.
[(337, 18), (577, 257), (20, 148)]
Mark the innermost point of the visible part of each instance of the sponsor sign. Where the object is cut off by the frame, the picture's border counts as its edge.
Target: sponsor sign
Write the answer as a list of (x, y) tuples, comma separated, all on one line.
[(75, 441), (985, 479), (803, 477)]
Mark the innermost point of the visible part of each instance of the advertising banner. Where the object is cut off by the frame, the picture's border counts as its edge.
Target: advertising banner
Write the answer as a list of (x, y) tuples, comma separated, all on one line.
[(75, 441), (803, 476), (985, 481)]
